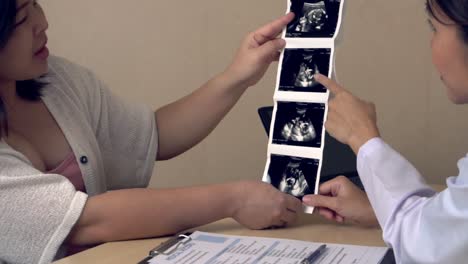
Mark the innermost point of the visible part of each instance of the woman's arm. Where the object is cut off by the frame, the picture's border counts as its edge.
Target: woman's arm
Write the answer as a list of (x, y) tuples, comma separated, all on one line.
[(142, 213), (184, 123)]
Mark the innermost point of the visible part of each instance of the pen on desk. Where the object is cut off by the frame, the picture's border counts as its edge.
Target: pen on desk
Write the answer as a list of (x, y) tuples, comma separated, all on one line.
[(314, 255)]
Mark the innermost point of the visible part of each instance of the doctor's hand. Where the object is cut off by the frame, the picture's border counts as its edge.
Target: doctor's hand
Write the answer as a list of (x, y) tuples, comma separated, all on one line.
[(259, 205), (340, 200), (350, 120), (257, 51)]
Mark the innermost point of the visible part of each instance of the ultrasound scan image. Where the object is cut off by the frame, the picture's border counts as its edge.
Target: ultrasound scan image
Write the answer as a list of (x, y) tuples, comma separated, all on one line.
[(305, 76), (299, 67), (293, 175), (299, 129), (299, 124), (314, 18)]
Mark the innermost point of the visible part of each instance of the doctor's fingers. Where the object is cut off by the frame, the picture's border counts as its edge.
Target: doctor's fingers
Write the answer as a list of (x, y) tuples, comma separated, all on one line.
[(344, 103), (349, 106), (324, 201), (330, 215), (338, 127), (331, 85), (334, 186), (335, 105), (338, 109)]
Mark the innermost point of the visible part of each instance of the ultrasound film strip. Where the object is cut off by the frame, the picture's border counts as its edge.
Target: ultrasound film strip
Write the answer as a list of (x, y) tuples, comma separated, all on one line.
[(297, 133)]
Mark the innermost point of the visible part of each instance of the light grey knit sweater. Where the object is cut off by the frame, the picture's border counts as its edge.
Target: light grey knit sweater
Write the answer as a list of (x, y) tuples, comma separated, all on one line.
[(119, 141)]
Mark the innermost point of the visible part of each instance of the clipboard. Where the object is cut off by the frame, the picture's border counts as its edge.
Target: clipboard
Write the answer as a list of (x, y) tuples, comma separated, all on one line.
[(167, 247), (172, 244)]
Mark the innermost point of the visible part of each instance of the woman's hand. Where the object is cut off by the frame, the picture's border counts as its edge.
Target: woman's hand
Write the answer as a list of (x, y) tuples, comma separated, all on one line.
[(340, 200), (257, 51), (350, 119), (260, 205), (203, 109)]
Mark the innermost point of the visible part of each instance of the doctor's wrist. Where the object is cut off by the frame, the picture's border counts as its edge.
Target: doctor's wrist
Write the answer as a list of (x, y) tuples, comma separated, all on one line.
[(356, 142)]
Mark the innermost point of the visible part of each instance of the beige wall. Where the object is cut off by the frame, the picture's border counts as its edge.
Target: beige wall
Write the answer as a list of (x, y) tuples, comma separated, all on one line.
[(154, 52)]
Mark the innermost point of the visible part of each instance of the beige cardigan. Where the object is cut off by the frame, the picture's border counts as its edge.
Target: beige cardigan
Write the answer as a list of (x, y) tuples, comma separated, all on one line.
[(115, 144)]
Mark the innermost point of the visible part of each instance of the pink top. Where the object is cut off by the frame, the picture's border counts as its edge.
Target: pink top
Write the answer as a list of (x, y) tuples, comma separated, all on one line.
[(70, 169)]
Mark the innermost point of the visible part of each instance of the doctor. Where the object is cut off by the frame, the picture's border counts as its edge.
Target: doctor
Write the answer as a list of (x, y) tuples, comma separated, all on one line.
[(421, 225)]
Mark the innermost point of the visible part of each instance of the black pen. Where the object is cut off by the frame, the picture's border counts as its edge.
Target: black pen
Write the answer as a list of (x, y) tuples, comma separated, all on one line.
[(314, 255)]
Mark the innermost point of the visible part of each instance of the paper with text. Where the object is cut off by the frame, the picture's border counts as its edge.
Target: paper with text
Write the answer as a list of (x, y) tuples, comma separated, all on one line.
[(209, 248)]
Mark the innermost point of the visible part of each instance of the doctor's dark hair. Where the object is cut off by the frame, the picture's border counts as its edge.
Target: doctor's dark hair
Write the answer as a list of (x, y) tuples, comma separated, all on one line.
[(456, 10), (30, 90)]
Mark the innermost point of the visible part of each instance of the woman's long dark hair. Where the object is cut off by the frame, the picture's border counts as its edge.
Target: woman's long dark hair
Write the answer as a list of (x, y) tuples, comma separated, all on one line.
[(30, 90), (456, 10)]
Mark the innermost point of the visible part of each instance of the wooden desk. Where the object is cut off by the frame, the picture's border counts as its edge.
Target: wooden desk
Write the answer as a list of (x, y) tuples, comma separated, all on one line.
[(308, 228)]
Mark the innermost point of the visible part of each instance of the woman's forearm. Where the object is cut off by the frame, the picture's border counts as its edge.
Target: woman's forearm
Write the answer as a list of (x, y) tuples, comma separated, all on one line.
[(186, 122), (141, 213)]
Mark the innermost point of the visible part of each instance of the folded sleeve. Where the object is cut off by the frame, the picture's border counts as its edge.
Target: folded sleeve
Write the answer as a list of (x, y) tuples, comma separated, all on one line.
[(127, 136), (37, 211), (421, 225)]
